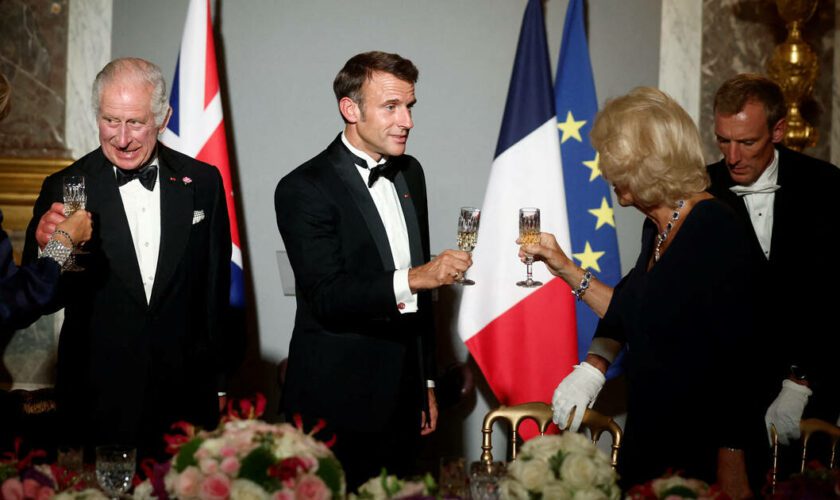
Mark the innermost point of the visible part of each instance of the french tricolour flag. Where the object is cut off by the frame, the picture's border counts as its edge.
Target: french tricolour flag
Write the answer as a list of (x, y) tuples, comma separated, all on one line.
[(523, 339), (197, 126)]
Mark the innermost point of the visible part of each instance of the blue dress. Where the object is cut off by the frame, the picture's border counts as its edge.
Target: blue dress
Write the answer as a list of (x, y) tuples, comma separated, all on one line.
[(24, 290)]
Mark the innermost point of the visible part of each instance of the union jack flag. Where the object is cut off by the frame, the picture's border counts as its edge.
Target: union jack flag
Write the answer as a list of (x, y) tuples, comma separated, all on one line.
[(197, 125)]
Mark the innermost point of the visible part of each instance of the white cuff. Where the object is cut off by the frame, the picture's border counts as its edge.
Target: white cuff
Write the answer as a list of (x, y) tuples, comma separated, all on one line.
[(430, 384), (406, 301)]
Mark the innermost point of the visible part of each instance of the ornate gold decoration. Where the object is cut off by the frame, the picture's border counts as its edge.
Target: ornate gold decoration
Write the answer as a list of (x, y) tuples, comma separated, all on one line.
[(794, 67), (20, 183)]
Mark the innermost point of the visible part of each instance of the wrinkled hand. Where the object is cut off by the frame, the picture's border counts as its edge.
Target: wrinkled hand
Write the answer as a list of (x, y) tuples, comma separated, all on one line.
[(444, 269), (547, 251), (79, 226), (49, 221), (785, 411), (430, 426), (576, 393)]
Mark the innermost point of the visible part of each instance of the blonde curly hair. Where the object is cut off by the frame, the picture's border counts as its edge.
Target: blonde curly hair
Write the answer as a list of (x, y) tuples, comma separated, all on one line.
[(648, 145)]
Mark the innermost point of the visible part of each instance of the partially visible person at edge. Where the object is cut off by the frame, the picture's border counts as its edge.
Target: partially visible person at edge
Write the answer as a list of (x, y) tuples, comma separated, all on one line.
[(684, 310), (362, 354), (145, 335), (25, 291), (788, 202)]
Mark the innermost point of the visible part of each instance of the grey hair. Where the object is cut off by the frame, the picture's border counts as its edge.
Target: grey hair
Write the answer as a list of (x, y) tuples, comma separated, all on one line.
[(138, 71)]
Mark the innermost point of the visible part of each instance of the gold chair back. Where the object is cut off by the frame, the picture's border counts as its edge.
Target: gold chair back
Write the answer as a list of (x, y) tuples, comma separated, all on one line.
[(541, 413), (808, 427)]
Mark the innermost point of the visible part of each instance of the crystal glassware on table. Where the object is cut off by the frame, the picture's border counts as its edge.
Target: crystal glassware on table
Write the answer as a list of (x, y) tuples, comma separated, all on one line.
[(115, 467)]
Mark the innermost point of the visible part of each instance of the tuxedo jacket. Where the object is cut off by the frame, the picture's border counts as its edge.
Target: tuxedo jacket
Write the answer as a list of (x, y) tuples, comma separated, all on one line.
[(127, 369), (24, 291), (353, 357), (800, 278)]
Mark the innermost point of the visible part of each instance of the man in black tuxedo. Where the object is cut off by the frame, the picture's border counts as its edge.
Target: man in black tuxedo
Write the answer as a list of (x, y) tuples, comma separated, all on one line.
[(355, 225), (144, 337), (788, 201)]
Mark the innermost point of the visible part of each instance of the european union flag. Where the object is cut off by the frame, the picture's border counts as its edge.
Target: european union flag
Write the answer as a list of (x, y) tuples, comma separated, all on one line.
[(588, 202)]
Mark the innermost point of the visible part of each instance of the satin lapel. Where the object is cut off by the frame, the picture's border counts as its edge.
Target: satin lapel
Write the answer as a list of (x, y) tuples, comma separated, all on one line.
[(346, 170), (780, 207), (176, 214), (111, 225), (411, 222)]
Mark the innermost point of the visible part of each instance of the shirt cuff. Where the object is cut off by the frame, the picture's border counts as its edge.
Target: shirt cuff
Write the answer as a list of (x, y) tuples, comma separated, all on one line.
[(430, 384), (406, 301), (605, 347)]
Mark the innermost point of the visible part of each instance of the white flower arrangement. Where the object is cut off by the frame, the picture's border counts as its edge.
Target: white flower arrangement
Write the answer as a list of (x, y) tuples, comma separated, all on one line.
[(560, 467)]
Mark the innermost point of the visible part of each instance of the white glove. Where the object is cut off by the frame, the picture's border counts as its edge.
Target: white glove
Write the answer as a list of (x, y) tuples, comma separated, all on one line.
[(786, 411), (576, 392)]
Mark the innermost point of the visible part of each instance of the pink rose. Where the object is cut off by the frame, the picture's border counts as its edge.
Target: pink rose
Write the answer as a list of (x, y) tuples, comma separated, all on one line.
[(187, 483), (312, 488), (227, 451), (284, 494), (30, 488), (209, 466), (215, 487), (12, 489), (45, 493), (230, 466)]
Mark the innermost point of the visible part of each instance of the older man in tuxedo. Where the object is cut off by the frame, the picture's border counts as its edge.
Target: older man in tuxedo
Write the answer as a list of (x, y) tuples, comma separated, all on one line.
[(787, 200), (355, 224), (144, 336)]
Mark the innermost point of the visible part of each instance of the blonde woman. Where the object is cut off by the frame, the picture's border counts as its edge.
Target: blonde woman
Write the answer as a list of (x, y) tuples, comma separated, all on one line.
[(683, 311)]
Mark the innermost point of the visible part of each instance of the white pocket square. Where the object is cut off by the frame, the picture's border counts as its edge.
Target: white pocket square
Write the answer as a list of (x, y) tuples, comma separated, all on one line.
[(198, 216)]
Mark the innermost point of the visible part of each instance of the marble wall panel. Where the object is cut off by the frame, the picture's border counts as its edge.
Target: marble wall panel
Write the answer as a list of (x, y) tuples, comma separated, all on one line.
[(680, 53), (33, 56), (739, 36)]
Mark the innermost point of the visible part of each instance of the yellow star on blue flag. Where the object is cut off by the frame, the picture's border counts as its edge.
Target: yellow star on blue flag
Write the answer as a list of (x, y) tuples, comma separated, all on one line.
[(604, 214), (571, 128), (589, 258)]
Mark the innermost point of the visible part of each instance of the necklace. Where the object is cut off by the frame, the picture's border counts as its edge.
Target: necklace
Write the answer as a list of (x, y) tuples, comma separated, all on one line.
[(661, 237)]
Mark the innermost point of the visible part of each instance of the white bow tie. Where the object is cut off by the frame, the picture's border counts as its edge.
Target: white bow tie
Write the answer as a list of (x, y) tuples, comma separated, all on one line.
[(755, 189)]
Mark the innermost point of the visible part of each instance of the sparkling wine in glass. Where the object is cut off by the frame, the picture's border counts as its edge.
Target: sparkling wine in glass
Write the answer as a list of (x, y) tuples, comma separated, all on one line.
[(467, 235), (529, 234), (75, 198), (115, 467)]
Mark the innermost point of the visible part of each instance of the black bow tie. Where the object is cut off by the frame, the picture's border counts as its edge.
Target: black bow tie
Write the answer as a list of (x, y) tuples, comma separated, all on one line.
[(147, 176), (387, 170)]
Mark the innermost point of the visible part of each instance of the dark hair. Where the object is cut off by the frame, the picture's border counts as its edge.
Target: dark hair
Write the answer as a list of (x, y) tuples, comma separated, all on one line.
[(348, 82), (736, 92)]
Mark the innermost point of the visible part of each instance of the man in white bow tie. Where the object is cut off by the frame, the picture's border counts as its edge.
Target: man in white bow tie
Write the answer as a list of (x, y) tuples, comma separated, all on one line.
[(789, 201)]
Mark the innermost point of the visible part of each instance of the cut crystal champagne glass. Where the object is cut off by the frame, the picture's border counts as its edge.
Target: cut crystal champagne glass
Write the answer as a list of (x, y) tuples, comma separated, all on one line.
[(467, 236), (529, 234), (75, 198), (115, 467)]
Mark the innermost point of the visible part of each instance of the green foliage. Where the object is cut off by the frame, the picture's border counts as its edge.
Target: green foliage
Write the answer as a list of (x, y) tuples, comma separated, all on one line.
[(255, 465), (186, 455), (329, 470)]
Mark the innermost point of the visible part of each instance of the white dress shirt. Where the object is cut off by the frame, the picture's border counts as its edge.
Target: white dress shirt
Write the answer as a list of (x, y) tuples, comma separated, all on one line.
[(142, 209), (387, 202), (759, 198)]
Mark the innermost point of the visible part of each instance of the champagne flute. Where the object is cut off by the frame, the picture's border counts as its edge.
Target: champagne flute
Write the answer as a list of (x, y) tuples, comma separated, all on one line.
[(529, 234), (115, 467), (467, 235), (75, 198)]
